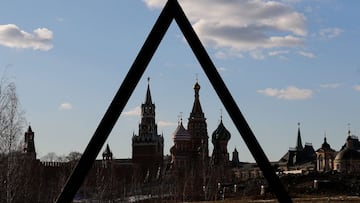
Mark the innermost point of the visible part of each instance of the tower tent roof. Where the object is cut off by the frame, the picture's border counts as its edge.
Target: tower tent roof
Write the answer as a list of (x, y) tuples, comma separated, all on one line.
[(107, 152), (299, 145), (148, 94), (181, 133), (29, 130), (196, 110)]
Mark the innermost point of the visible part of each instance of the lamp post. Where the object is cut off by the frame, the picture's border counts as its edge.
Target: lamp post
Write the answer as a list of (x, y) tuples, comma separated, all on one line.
[(218, 190), (204, 189), (223, 193)]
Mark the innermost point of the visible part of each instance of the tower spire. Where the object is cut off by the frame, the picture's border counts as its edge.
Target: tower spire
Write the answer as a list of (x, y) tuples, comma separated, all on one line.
[(180, 118), (349, 131), (148, 100), (147, 124), (196, 110), (221, 115), (299, 145)]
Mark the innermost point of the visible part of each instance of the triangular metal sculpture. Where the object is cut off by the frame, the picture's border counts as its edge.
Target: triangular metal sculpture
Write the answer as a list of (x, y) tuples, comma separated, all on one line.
[(172, 10)]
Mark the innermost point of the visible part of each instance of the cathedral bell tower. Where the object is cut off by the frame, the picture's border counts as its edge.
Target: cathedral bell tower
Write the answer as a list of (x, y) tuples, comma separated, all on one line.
[(197, 126)]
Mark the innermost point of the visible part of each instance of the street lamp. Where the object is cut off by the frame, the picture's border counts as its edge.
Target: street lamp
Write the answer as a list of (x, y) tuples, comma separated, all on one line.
[(204, 189)]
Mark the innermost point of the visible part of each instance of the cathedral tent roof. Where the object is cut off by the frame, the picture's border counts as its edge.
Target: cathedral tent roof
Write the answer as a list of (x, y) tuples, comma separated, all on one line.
[(181, 133)]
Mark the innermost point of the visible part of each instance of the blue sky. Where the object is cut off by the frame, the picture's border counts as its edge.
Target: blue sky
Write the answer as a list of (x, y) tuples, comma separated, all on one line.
[(284, 62)]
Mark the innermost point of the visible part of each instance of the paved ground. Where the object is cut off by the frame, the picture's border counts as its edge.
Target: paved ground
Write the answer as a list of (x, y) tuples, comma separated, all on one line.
[(335, 199)]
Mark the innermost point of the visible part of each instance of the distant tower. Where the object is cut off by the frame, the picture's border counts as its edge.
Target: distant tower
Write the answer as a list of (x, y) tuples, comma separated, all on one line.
[(300, 154), (197, 126), (235, 162), (299, 146), (107, 156), (29, 144), (199, 153), (148, 145)]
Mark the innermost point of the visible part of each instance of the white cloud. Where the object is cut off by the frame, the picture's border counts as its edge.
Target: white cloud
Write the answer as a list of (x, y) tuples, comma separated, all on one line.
[(224, 54), (155, 3), (330, 32), (12, 36), (330, 85), (278, 52), (289, 93), (307, 54), (244, 25), (221, 69), (357, 87), (166, 123), (133, 112), (257, 54), (220, 55), (65, 106)]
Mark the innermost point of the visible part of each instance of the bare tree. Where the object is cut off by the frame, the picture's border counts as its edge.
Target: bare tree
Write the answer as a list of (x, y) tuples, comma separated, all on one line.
[(11, 117), (11, 125), (51, 157), (73, 156)]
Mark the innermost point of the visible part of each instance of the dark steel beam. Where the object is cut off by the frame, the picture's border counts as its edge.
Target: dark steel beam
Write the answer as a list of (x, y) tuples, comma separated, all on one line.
[(230, 105), (117, 105)]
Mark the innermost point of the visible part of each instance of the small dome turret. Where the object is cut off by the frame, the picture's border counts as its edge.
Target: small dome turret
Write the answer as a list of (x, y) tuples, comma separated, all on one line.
[(196, 86), (221, 133), (325, 145)]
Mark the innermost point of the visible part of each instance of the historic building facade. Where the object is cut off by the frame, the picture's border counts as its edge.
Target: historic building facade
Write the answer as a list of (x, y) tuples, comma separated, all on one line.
[(325, 157)]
